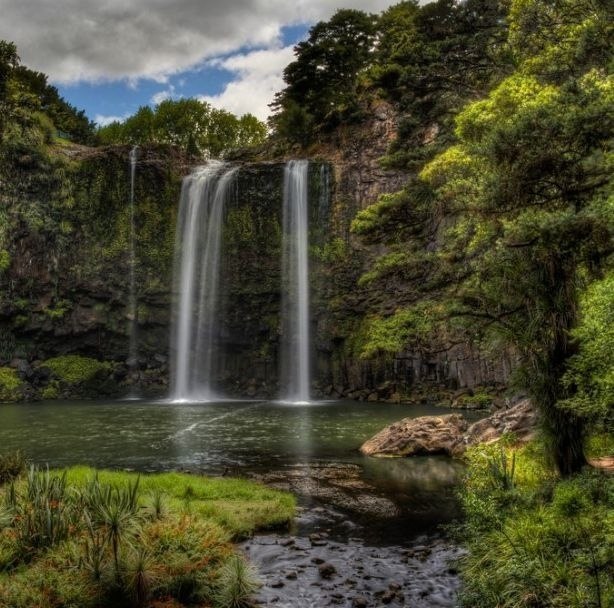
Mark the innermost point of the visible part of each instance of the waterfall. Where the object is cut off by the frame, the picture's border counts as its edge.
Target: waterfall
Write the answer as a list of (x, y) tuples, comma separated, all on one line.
[(132, 302), (295, 373), (196, 281)]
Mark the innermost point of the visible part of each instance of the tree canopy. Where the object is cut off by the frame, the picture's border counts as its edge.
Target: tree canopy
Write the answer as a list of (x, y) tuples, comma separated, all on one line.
[(192, 125), (322, 84)]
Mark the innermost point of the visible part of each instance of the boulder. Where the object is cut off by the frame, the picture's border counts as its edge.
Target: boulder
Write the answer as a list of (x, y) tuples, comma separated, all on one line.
[(452, 434), (418, 437), (521, 419)]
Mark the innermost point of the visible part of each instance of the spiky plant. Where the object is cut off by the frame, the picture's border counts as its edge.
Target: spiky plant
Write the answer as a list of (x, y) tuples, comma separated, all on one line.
[(236, 583)]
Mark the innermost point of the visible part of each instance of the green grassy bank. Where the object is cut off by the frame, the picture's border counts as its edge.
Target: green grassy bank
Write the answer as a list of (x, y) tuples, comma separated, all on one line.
[(86, 538)]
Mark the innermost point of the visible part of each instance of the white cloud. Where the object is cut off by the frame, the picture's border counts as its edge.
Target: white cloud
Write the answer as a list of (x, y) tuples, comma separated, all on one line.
[(257, 77), (103, 120), (93, 40), (161, 96)]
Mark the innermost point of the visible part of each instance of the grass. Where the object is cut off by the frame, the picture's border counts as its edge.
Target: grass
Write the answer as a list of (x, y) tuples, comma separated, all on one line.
[(534, 540), (92, 539)]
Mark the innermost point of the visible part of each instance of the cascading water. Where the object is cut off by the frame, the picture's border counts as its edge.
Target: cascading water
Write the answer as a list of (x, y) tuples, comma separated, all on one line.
[(204, 194), (132, 302), (295, 268)]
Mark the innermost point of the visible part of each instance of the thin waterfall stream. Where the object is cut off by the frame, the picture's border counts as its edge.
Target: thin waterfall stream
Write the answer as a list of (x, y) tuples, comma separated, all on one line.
[(132, 301)]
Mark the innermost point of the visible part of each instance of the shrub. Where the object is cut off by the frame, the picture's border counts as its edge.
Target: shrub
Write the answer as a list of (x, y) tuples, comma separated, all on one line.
[(90, 540), (533, 540), (236, 584), (12, 465), (42, 512)]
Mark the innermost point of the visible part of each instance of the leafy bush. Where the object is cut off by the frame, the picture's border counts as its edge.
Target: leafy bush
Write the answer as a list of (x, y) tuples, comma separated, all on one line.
[(12, 465), (533, 540)]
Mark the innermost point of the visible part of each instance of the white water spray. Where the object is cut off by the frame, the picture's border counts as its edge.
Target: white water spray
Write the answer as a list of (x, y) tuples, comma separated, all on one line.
[(295, 267)]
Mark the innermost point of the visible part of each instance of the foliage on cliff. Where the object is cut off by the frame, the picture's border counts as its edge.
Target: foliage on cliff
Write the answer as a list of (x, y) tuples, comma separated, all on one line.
[(193, 126), (517, 214), (64, 224), (22, 88)]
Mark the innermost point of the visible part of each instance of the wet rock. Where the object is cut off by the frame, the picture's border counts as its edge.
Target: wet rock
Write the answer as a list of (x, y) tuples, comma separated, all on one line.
[(277, 584), (388, 596), (341, 485), (360, 602), (327, 570)]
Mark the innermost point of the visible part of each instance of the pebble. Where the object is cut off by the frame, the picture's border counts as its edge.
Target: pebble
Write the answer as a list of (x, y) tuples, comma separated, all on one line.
[(327, 570)]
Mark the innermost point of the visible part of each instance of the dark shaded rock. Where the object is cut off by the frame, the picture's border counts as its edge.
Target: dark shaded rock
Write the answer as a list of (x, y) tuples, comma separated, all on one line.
[(327, 570), (388, 596)]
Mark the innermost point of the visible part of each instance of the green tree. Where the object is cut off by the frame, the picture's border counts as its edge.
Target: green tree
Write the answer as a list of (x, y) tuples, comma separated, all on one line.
[(519, 211), (590, 375), (323, 80), (192, 125)]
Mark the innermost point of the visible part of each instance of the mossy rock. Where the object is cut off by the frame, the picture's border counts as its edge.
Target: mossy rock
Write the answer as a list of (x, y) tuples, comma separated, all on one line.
[(9, 384), (78, 370)]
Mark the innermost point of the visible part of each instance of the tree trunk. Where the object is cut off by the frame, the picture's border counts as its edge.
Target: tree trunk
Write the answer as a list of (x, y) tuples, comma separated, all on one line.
[(567, 436)]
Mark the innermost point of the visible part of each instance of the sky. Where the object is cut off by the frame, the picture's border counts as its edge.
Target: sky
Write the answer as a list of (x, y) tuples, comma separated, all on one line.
[(109, 57)]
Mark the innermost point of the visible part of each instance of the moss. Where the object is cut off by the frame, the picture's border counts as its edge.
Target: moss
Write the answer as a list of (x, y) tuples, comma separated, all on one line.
[(52, 391), (5, 260), (9, 384), (479, 400), (58, 310), (75, 369)]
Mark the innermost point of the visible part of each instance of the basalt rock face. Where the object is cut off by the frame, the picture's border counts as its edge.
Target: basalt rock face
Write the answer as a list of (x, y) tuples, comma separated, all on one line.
[(358, 180), (65, 289)]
